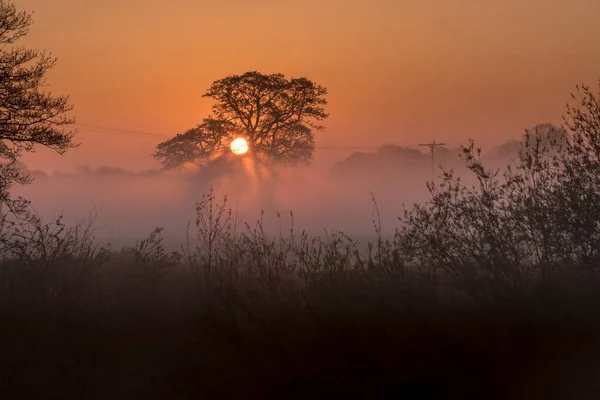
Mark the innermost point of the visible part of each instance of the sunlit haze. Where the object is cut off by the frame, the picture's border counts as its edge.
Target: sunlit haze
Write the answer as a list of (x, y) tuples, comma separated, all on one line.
[(397, 71)]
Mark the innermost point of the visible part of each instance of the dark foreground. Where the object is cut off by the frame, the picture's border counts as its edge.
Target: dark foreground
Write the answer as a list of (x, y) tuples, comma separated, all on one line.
[(130, 332)]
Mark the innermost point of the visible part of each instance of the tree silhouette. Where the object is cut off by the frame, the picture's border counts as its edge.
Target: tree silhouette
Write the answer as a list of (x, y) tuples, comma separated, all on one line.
[(548, 137), (536, 218), (28, 115), (205, 142), (276, 115)]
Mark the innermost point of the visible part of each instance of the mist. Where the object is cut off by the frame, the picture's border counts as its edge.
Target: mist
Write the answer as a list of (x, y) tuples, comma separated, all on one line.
[(347, 197)]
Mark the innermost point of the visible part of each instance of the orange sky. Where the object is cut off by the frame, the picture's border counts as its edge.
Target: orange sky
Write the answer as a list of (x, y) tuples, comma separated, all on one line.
[(397, 71)]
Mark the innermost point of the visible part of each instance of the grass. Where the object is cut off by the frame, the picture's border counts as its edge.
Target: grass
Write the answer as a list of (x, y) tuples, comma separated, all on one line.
[(241, 314)]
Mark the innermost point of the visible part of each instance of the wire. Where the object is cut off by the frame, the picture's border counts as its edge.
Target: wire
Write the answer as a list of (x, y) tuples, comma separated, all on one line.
[(112, 129), (121, 132), (345, 147), (151, 135)]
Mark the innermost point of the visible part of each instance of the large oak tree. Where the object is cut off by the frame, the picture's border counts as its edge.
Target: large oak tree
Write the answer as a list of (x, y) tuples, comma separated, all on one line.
[(276, 115), (29, 115)]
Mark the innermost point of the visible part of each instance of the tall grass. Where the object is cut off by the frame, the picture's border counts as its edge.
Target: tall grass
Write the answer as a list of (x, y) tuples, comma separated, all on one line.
[(239, 313)]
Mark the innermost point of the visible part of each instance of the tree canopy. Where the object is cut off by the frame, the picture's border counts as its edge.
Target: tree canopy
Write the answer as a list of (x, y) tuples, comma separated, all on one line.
[(29, 115), (277, 116)]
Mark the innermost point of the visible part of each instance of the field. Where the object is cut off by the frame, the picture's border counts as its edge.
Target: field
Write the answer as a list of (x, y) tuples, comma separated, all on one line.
[(241, 314)]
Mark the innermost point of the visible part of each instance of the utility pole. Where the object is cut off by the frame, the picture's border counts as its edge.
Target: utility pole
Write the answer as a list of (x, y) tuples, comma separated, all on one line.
[(432, 147)]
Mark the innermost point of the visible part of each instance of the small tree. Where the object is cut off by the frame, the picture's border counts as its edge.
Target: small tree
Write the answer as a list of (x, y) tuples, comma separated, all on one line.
[(536, 219), (277, 116), (578, 193), (28, 115)]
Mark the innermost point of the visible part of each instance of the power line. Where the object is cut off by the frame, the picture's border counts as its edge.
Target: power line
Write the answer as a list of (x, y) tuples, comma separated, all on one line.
[(158, 136), (346, 147), (113, 129), (119, 131), (121, 134)]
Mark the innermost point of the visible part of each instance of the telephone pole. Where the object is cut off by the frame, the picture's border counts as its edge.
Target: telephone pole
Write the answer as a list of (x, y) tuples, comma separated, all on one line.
[(432, 147)]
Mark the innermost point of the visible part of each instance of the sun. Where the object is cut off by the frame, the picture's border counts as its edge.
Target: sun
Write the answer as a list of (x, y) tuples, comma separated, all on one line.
[(239, 146)]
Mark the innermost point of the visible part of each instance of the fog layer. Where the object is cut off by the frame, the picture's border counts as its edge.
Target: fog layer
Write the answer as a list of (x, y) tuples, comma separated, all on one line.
[(130, 205)]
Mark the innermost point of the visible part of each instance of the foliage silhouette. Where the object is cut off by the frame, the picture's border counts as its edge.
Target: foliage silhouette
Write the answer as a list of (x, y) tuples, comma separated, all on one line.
[(533, 220), (29, 116), (276, 116)]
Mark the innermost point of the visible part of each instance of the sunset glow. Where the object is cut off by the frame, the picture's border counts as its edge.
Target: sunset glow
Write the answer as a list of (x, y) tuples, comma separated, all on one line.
[(239, 146), (397, 72)]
